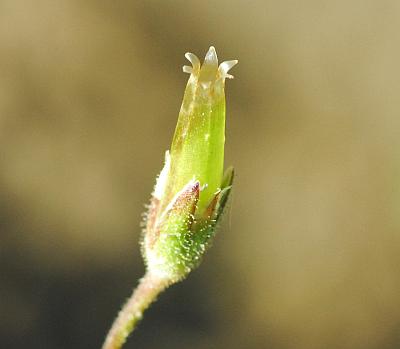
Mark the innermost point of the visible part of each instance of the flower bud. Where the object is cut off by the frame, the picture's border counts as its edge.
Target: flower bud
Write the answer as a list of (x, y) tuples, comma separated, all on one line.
[(191, 191)]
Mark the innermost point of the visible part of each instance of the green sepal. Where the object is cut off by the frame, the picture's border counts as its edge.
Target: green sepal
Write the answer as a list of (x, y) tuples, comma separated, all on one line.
[(227, 179), (204, 228), (169, 253), (226, 186)]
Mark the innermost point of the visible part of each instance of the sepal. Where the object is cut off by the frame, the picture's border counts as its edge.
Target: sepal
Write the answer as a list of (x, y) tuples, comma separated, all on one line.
[(204, 228), (167, 247)]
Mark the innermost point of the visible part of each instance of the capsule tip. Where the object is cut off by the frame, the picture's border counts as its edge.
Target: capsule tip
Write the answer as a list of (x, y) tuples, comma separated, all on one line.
[(209, 69), (211, 57)]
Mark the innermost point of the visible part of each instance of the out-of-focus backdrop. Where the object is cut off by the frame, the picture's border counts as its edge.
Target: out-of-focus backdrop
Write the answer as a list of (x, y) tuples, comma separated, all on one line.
[(308, 256)]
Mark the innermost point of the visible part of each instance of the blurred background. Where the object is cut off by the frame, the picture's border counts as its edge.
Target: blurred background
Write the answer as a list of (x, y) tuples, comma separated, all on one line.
[(308, 255)]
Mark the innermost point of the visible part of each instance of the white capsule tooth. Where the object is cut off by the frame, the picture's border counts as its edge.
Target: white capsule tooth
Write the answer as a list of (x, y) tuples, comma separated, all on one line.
[(224, 67), (229, 76), (187, 69), (192, 58), (211, 57)]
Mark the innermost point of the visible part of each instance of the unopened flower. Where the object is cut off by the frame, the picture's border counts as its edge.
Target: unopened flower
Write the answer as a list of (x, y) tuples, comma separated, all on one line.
[(191, 190)]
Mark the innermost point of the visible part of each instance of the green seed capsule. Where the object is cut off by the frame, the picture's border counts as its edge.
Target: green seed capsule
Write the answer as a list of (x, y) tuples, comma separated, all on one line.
[(191, 192)]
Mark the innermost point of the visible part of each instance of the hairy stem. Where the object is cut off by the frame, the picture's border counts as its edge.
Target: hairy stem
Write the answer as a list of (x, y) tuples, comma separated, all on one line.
[(131, 313)]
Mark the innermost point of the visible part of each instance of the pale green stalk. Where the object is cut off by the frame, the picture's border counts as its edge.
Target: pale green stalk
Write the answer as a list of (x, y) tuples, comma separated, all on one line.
[(132, 312)]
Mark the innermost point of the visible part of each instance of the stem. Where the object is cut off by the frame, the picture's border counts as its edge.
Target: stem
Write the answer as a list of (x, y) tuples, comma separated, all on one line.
[(131, 313)]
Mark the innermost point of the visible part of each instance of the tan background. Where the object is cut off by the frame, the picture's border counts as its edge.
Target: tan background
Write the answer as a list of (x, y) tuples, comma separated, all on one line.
[(308, 256)]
